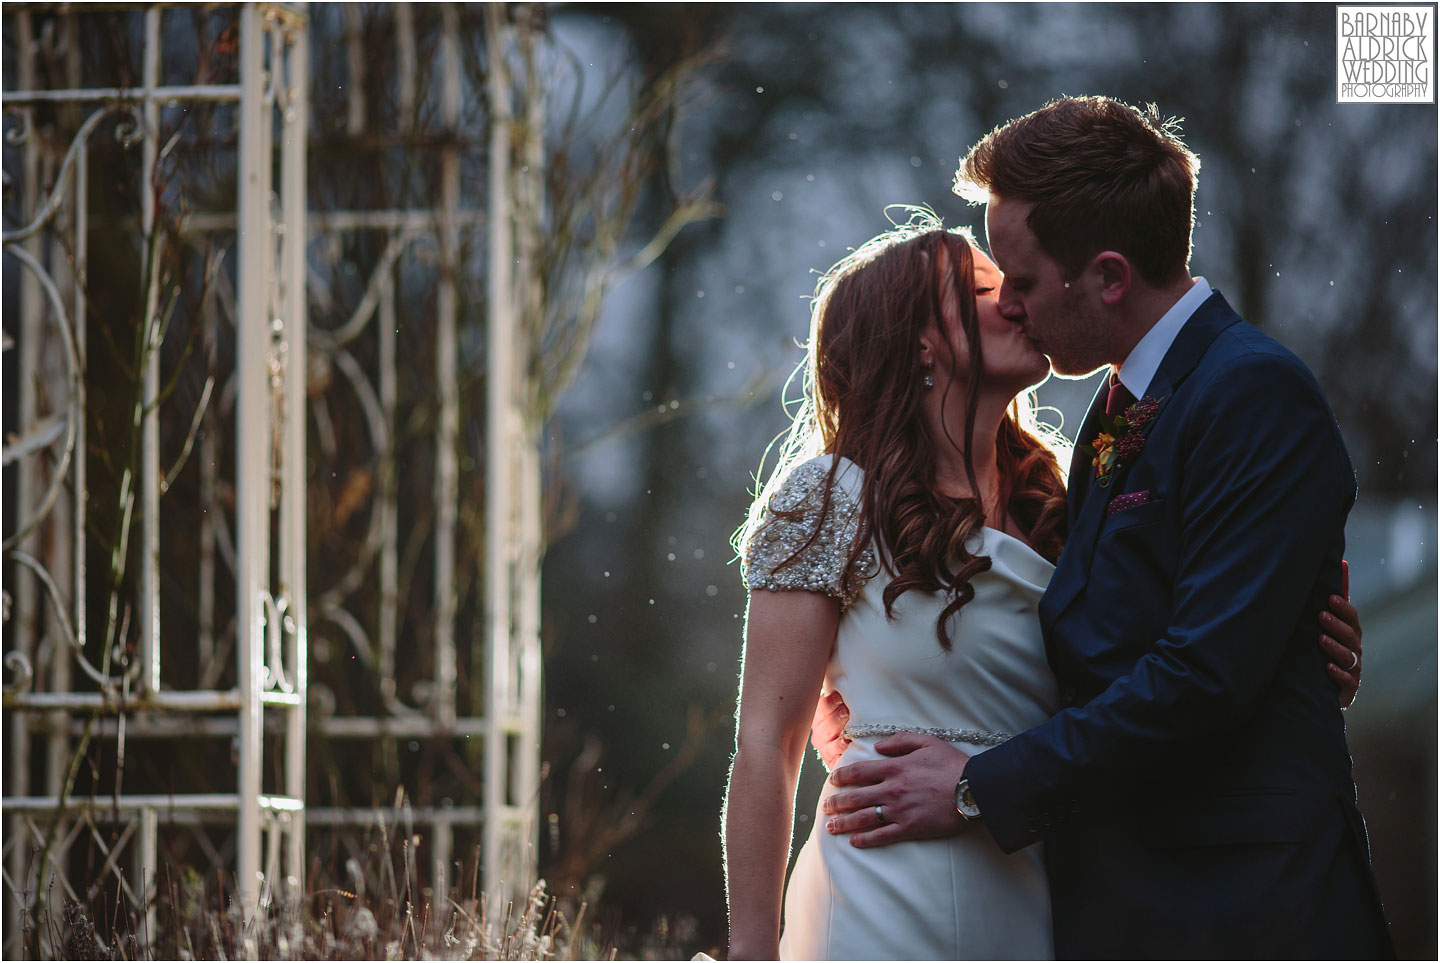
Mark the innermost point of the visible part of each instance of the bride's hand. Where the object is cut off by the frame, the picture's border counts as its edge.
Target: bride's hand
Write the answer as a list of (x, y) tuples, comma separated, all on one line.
[(914, 790), (827, 729), (1341, 640)]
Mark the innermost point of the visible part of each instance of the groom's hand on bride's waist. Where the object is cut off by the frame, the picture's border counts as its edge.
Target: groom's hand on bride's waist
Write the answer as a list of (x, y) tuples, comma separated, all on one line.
[(910, 795)]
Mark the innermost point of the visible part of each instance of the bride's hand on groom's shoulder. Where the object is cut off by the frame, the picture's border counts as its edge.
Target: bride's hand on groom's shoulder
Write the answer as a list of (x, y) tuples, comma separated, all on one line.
[(910, 795)]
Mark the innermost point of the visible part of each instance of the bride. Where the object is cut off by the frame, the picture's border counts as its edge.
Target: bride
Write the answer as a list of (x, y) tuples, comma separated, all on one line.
[(896, 556)]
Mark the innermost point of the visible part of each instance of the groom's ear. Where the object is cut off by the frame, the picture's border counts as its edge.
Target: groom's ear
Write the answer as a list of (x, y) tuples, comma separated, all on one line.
[(1113, 270)]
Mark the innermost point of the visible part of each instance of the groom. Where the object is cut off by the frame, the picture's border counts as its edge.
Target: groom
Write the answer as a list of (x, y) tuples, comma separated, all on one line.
[(1194, 791)]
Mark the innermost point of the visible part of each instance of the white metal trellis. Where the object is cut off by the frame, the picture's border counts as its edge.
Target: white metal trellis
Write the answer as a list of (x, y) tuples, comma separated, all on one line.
[(268, 388), (510, 667), (267, 396)]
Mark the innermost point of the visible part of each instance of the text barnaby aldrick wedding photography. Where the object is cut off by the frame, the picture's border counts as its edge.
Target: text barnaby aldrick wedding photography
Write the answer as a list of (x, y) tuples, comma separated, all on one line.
[(1385, 54)]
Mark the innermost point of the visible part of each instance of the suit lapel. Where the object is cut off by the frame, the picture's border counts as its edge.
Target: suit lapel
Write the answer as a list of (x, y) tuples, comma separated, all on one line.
[(1071, 575)]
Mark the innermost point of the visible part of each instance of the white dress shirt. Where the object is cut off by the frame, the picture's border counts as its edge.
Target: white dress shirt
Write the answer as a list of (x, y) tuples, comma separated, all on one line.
[(1139, 367)]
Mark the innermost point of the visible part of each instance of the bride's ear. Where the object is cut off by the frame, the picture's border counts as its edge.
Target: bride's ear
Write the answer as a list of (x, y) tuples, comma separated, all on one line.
[(925, 354)]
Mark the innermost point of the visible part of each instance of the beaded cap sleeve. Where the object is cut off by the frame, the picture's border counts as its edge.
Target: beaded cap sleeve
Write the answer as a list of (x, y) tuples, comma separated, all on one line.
[(819, 568)]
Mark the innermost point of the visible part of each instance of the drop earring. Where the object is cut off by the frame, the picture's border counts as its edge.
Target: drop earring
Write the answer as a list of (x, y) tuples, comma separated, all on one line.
[(929, 379)]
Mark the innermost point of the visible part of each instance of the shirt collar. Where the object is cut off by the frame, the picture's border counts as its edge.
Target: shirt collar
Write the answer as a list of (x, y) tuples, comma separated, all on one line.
[(1139, 367)]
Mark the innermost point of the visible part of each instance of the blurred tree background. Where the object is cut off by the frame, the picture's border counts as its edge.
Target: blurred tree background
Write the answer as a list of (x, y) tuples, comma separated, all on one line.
[(1317, 220)]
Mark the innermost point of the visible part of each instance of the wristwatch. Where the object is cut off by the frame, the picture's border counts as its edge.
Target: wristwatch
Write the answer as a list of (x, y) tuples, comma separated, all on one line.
[(965, 803)]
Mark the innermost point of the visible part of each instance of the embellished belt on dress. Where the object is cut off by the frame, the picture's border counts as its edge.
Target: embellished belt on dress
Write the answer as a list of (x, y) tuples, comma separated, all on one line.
[(975, 737)]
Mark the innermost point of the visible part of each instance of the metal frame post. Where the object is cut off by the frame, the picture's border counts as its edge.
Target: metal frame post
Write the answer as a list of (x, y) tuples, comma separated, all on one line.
[(252, 452), (292, 506), (148, 602), (526, 669), (514, 540), (499, 480), (447, 463), (24, 611)]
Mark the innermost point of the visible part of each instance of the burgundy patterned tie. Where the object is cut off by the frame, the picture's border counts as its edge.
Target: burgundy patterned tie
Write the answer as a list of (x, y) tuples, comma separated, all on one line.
[(1119, 398)]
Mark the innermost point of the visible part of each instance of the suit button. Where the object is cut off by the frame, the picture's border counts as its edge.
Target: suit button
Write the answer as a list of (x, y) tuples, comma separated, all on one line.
[(1067, 696)]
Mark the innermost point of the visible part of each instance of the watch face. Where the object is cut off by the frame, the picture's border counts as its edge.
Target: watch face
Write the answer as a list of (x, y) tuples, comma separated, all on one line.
[(965, 800)]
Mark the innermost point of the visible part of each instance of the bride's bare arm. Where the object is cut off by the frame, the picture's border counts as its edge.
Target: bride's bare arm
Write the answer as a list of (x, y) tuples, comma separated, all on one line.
[(788, 638)]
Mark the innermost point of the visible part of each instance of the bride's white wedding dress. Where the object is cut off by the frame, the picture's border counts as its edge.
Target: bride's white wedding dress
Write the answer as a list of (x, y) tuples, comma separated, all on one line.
[(948, 899)]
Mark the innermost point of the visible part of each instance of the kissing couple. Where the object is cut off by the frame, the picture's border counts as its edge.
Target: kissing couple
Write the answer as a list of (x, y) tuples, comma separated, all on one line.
[(1087, 722)]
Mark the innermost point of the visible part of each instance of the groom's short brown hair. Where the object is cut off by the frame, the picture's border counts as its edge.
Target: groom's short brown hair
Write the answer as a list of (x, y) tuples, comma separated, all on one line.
[(1102, 176)]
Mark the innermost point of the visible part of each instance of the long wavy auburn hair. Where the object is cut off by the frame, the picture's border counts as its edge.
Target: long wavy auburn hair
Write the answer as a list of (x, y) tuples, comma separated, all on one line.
[(861, 399)]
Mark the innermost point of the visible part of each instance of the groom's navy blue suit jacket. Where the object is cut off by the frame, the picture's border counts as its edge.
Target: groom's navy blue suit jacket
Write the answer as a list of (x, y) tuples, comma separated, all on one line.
[(1194, 791)]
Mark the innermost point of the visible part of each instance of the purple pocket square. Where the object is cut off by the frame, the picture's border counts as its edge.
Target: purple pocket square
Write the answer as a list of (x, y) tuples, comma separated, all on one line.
[(1128, 500)]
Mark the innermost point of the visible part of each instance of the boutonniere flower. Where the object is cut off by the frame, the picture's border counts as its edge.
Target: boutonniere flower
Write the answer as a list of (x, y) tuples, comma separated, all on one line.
[(1120, 440)]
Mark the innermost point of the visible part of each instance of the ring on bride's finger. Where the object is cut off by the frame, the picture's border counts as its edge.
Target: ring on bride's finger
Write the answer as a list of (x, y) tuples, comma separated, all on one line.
[(1354, 660), (880, 814)]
